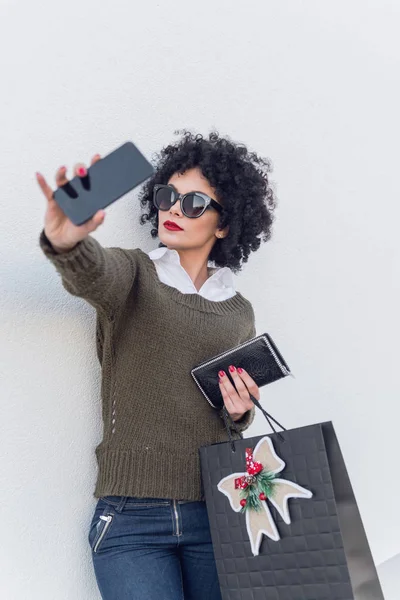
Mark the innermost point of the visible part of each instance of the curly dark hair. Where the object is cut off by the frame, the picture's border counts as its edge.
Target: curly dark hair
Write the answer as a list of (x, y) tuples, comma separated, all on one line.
[(240, 179)]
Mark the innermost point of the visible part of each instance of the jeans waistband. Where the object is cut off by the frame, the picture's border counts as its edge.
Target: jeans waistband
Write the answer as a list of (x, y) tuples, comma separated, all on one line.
[(119, 502)]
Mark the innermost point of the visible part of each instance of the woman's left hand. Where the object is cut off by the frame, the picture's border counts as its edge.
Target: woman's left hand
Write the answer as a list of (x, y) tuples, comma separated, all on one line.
[(237, 401)]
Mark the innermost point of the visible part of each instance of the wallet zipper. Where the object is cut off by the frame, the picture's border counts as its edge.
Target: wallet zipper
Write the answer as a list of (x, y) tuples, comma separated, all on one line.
[(216, 358)]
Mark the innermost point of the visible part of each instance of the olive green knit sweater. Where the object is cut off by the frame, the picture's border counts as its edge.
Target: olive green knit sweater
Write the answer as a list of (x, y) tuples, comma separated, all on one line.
[(149, 336)]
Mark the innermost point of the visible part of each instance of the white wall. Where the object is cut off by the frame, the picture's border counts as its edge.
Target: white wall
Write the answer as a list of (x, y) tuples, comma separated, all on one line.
[(313, 85)]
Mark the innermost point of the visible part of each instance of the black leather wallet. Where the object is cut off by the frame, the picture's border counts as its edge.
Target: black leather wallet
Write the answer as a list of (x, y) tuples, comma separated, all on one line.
[(259, 357)]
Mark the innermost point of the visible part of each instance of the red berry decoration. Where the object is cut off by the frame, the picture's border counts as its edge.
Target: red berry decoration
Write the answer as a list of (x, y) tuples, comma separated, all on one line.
[(262, 496), (243, 502)]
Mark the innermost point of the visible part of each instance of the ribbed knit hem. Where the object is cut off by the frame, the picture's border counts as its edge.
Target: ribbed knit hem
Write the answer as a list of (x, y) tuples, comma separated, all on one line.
[(82, 257), (246, 420), (148, 474)]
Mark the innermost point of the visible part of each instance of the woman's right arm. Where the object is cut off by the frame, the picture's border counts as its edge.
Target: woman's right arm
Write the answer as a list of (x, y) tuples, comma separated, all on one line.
[(102, 276)]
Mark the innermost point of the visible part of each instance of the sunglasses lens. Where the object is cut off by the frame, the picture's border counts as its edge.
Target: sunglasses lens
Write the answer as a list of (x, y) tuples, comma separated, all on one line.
[(164, 198), (193, 205)]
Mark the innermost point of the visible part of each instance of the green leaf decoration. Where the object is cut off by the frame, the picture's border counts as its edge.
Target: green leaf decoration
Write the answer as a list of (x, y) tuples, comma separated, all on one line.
[(263, 482), (266, 483)]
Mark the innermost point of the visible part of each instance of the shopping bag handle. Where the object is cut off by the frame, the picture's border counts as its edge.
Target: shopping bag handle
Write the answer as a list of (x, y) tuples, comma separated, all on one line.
[(229, 422)]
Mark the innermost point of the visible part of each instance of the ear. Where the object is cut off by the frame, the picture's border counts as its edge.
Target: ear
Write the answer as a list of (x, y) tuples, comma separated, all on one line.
[(221, 233)]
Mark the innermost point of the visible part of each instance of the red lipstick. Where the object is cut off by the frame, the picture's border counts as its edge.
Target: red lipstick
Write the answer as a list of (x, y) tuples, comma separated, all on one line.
[(171, 226)]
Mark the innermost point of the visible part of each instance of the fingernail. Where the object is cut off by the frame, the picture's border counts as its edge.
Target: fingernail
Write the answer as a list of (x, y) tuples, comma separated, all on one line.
[(221, 373), (82, 171), (239, 370), (232, 368)]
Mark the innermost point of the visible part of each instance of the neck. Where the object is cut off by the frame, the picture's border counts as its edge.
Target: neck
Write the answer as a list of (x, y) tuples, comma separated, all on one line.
[(194, 261)]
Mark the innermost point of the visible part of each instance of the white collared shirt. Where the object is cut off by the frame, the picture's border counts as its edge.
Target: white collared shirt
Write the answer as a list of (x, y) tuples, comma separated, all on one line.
[(219, 286)]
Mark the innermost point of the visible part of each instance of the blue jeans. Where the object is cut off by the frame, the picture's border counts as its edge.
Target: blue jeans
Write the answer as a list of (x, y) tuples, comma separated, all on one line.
[(152, 548)]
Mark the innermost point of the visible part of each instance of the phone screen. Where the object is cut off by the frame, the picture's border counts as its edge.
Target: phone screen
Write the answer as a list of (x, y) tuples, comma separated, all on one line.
[(107, 180)]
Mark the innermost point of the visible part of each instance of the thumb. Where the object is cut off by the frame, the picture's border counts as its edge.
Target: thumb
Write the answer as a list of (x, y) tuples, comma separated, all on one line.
[(95, 221)]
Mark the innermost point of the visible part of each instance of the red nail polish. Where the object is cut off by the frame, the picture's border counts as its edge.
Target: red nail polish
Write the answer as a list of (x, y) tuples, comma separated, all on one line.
[(232, 368), (221, 373), (239, 370), (82, 171)]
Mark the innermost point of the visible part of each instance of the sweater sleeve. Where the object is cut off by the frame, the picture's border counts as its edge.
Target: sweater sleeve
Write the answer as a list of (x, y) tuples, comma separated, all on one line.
[(247, 419), (101, 276)]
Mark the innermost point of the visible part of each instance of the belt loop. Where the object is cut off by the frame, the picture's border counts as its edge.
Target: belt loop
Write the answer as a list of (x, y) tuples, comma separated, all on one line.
[(120, 506)]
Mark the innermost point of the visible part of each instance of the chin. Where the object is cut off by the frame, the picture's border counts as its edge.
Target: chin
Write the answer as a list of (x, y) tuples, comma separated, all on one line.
[(167, 240)]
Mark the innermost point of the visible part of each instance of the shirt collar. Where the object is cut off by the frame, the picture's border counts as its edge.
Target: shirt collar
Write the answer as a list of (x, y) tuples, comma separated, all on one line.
[(170, 255)]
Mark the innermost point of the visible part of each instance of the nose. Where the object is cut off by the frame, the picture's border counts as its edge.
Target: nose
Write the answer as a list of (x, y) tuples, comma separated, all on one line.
[(176, 208)]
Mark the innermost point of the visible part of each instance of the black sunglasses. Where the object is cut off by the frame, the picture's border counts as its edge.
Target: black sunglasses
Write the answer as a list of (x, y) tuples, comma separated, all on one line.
[(193, 204)]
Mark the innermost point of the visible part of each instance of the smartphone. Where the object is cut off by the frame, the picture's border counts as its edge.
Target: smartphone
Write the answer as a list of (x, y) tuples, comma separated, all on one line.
[(106, 181)]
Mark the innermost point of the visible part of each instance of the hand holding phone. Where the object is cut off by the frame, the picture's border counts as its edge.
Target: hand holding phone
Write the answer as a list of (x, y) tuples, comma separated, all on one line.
[(61, 232), (75, 209)]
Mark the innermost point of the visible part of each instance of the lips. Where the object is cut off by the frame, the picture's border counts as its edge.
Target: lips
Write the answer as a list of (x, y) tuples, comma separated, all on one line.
[(172, 226)]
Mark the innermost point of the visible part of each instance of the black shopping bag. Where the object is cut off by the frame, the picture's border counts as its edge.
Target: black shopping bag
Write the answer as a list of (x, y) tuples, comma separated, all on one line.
[(284, 520)]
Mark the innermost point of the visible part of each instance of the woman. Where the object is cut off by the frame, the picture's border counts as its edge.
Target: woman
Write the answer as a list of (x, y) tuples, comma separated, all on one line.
[(157, 316)]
